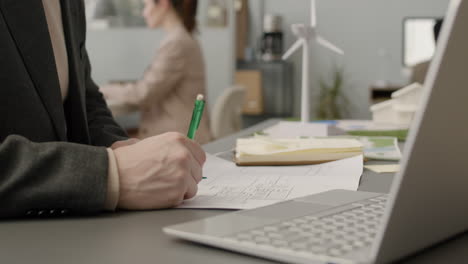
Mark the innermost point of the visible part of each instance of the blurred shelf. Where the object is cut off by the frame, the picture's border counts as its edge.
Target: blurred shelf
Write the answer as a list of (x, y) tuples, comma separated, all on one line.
[(379, 94)]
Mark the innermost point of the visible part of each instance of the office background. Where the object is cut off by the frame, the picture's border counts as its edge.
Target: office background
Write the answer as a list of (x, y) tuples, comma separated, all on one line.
[(121, 54), (369, 31)]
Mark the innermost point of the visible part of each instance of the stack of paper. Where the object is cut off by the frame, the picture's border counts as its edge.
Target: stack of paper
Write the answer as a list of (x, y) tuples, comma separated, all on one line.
[(378, 148), (265, 151)]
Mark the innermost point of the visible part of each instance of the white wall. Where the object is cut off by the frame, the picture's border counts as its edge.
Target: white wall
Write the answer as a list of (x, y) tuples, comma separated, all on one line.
[(361, 28), (125, 53)]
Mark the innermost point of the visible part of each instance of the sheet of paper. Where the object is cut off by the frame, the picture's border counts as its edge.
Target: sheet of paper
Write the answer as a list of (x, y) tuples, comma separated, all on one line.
[(285, 129), (230, 187), (393, 168), (353, 125)]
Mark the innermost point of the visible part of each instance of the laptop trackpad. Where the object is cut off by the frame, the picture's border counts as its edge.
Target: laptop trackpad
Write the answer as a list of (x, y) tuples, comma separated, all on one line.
[(286, 210)]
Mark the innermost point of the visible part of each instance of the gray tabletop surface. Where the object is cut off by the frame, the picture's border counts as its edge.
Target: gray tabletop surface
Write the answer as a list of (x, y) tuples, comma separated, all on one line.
[(136, 237)]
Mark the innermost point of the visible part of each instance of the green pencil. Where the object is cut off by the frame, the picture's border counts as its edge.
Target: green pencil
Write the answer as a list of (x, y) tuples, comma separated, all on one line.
[(196, 116)]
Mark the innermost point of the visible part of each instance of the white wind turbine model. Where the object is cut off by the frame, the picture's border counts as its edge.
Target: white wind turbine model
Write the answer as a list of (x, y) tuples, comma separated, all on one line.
[(306, 35)]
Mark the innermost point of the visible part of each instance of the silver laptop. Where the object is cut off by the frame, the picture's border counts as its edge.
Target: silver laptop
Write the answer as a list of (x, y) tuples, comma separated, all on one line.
[(428, 202)]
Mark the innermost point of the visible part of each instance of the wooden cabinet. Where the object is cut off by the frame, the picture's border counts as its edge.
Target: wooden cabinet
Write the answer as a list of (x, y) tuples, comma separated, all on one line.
[(270, 90)]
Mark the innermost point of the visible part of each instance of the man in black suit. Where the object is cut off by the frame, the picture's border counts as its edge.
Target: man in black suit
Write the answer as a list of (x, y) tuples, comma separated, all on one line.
[(61, 152)]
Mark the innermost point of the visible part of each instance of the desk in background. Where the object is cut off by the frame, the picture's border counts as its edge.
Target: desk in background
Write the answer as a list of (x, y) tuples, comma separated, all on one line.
[(137, 237), (128, 117)]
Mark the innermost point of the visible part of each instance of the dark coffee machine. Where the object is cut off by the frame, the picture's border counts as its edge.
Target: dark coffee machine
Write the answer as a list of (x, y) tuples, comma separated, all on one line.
[(272, 38)]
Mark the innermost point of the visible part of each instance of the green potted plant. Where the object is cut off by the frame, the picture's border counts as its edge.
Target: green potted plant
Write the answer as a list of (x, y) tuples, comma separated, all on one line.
[(333, 102)]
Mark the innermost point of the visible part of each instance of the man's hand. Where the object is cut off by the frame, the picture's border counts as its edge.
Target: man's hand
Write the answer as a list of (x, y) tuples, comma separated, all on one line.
[(125, 143), (159, 172)]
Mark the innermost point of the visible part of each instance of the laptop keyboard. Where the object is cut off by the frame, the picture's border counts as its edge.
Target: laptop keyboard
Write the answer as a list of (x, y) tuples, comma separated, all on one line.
[(332, 233)]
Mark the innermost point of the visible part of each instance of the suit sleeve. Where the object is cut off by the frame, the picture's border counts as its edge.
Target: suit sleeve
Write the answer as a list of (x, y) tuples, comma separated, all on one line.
[(51, 179), (103, 129)]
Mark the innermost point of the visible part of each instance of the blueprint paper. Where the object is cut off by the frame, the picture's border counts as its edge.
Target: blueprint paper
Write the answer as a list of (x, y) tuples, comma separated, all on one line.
[(230, 187)]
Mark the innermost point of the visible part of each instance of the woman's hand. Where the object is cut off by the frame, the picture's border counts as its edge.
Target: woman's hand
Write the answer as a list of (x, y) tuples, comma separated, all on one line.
[(110, 90)]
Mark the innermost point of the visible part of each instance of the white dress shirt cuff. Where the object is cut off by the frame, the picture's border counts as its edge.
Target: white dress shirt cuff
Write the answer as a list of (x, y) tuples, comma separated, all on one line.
[(112, 183)]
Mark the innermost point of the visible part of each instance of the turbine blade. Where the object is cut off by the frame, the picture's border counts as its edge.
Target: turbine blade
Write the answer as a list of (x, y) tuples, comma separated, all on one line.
[(293, 49), (313, 13), (327, 44)]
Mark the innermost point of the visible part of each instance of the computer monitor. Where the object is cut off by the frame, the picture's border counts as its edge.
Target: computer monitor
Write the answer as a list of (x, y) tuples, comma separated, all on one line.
[(418, 39)]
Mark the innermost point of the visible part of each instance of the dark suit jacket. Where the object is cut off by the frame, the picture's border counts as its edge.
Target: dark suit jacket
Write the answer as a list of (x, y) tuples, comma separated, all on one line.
[(52, 155)]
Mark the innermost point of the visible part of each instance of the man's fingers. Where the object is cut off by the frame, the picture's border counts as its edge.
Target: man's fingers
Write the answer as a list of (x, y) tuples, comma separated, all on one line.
[(196, 150), (192, 188), (196, 171)]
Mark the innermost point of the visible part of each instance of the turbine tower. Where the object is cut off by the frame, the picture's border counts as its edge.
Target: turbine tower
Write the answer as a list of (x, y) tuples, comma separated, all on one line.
[(307, 35)]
